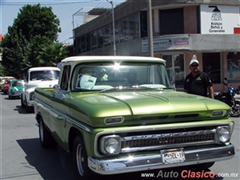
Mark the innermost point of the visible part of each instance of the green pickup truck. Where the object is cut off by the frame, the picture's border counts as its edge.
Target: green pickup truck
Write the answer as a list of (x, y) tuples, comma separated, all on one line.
[(119, 114)]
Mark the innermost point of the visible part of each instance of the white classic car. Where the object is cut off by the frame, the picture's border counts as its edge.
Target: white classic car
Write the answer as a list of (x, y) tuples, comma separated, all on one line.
[(37, 77)]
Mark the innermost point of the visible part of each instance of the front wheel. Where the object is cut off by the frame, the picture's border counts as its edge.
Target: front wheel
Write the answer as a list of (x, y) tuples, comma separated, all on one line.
[(80, 160), (22, 104)]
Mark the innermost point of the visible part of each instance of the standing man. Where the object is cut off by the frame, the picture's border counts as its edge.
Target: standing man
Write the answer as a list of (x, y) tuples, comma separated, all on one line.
[(198, 82)]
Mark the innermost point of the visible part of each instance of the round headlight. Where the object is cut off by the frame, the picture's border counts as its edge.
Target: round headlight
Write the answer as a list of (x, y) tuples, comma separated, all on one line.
[(112, 145), (223, 134)]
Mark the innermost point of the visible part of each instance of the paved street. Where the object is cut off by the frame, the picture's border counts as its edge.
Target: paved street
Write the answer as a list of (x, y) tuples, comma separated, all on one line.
[(22, 157)]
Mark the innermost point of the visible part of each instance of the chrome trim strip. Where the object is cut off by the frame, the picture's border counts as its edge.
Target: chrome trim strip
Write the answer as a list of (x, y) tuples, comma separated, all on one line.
[(58, 113), (166, 135), (127, 150), (154, 161)]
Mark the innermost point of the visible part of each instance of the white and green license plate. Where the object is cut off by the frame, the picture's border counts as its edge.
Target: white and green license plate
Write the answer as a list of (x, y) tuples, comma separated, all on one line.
[(172, 156)]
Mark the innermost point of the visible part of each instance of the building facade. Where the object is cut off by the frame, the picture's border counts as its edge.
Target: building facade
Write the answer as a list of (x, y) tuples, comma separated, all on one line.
[(209, 29)]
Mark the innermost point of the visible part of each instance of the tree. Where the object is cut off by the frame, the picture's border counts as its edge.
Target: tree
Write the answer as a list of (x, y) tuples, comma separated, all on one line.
[(34, 29), (54, 53)]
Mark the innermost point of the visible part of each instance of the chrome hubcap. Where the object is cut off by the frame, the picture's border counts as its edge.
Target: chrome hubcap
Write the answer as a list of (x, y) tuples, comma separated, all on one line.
[(79, 159)]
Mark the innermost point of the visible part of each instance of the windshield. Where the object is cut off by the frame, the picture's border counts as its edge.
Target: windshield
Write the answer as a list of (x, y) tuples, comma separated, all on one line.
[(17, 83), (44, 75), (96, 76)]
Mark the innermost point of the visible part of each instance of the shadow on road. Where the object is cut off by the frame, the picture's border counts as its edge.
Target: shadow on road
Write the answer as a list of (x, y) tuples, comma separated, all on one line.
[(20, 110), (51, 164), (56, 163)]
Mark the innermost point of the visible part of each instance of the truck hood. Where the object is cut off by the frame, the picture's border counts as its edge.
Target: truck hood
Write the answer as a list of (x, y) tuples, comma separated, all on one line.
[(39, 83), (147, 105)]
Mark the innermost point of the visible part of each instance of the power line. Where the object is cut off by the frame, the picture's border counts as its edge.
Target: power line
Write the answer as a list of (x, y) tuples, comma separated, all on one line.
[(17, 3), (102, 4)]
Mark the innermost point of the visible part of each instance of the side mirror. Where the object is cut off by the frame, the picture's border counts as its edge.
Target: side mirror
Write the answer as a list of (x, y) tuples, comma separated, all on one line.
[(56, 89)]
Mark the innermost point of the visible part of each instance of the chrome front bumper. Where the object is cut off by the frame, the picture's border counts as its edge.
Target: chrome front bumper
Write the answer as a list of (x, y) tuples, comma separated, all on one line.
[(154, 161), (30, 103)]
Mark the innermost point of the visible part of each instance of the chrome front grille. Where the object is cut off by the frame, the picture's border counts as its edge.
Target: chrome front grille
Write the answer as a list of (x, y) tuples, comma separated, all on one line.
[(156, 141)]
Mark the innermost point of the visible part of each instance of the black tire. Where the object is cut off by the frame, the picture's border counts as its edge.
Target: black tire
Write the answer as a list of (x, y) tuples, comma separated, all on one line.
[(28, 109), (45, 136), (80, 160), (22, 104), (10, 97)]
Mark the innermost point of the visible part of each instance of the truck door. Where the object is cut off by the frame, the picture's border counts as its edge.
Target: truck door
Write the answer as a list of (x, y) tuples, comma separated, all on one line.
[(58, 117)]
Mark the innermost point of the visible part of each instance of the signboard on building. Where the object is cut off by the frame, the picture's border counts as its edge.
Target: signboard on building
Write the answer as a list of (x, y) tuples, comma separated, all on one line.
[(171, 43), (219, 19)]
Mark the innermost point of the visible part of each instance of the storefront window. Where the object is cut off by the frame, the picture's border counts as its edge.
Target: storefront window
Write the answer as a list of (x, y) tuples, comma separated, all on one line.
[(100, 38), (212, 66), (83, 44), (124, 30), (107, 35), (175, 69), (94, 38), (233, 67), (134, 26), (88, 42), (78, 45)]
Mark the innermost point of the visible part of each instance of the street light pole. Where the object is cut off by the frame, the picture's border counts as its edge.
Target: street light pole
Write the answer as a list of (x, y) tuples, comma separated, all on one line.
[(150, 33), (113, 24)]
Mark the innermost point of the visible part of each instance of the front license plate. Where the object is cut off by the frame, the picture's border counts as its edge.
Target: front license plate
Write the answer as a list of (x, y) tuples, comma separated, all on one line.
[(172, 156)]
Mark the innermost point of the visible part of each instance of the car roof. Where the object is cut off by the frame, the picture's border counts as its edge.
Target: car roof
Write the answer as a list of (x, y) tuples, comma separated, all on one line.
[(43, 68), (111, 58)]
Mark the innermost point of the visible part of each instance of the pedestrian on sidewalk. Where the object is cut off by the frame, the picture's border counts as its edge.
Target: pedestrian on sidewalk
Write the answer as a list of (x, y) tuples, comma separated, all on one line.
[(198, 82)]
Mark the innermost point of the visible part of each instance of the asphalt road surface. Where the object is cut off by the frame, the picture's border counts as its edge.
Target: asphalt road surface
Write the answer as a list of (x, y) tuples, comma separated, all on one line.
[(23, 158)]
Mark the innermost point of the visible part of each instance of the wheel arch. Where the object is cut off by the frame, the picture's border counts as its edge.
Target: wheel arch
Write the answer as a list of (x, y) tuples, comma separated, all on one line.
[(73, 133)]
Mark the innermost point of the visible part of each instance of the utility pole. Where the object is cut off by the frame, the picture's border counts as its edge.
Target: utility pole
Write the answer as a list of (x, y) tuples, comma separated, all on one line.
[(150, 33), (113, 24)]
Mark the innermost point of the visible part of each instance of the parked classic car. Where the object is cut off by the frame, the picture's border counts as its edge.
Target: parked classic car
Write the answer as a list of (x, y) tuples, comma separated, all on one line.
[(15, 89), (37, 77), (6, 85), (132, 120), (3, 79)]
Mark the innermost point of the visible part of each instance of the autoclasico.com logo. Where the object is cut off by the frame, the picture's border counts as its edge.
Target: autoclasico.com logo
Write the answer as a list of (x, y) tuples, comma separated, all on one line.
[(187, 174)]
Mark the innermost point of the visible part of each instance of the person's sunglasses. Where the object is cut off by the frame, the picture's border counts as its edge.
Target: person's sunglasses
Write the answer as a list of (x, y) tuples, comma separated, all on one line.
[(196, 65)]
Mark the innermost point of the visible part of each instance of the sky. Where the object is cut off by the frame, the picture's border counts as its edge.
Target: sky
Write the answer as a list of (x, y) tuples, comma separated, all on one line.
[(65, 10)]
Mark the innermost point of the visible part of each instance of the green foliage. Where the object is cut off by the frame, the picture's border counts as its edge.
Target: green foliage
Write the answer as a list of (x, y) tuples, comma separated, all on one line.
[(53, 53), (1, 70), (32, 40)]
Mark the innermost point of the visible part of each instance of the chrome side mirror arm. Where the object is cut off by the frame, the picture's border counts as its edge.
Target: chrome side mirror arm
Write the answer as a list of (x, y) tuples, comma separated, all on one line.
[(56, 89)]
